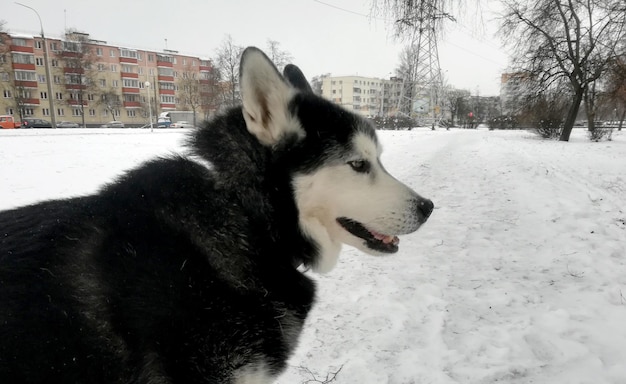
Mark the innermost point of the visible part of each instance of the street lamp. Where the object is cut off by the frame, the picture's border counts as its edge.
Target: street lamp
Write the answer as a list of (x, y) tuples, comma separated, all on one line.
[(147, 84), (46, 64)]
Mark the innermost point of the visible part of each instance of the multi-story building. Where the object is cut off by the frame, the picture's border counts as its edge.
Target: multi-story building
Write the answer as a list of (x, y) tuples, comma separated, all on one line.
[(513, 87), (368, 96), (99, 81)]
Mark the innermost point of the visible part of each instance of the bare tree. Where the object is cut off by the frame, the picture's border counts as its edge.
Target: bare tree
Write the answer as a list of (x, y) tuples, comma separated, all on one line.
[(79, 76), (564, 39), (189, 93), (228, 55), (279, 57), (616, 90), (408, 16), (211, 92), (407, 71), (110, 100), (456, 101)]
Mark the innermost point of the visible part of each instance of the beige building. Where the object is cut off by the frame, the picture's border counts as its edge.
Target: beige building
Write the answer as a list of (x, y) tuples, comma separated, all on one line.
[(368, 96), (118, 83)]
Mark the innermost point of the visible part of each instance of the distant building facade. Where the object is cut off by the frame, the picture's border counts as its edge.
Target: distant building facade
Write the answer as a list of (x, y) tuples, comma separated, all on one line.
[(368, 96), (113, 84), (513, 88)]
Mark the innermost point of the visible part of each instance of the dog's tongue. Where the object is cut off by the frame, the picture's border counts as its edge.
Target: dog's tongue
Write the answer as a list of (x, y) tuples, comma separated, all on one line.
[(386, 238)]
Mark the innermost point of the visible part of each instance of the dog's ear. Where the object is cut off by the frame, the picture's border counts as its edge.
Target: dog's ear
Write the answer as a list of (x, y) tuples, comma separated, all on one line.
[(296, 78), (265, 97)]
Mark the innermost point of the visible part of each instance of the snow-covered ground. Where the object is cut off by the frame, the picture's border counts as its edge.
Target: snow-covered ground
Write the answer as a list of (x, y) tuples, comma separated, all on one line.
[(518, 277)]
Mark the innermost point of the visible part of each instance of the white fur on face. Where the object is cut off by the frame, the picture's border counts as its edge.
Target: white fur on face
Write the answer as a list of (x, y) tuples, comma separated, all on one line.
[(374, 199)]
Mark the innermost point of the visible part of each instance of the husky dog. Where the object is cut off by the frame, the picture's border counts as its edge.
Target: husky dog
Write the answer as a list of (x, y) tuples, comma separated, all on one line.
[(179, 272)]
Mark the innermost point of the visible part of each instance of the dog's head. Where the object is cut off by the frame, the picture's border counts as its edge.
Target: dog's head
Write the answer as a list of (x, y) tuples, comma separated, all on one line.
[(342, 192)]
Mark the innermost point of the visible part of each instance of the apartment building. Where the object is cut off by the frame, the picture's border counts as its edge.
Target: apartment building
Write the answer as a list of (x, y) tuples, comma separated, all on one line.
[(368, 96), (103, 82), (513, 87)]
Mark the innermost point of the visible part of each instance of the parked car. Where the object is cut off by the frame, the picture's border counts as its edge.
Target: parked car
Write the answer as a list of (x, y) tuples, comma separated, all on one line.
[(67, 124), (113, 124), (181, 124), (29, 122)]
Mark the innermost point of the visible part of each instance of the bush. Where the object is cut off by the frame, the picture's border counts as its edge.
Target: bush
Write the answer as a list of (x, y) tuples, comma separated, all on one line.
[(549, 128), (502, 122), (599, 134), (396, 122)]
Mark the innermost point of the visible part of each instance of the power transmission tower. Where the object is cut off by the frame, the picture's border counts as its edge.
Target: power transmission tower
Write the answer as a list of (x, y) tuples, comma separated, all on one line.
[(425, 87)]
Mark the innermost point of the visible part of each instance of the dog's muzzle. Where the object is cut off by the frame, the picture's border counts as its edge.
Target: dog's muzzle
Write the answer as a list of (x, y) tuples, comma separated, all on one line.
[(424, 209)]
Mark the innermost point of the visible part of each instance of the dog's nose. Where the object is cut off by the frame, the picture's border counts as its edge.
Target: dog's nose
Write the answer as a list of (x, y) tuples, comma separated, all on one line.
[(426, 207)]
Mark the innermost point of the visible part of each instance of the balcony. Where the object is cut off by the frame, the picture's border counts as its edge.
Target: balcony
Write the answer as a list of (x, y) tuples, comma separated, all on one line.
[(21, 48), (128, 60), (27, 67), (130, 90), (132, 104)]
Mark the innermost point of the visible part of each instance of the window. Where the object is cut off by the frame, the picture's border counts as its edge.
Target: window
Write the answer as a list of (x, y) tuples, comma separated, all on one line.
[(90, 97), (128, 53), (140, 70), (9, 111), (92, 112), (54, 62), (4, 76), (7, 93), (168, 99), (59, 96), (18, 41), (130, 113), (112, 53), (184, 61), (43, 95), (25, 76), (115, 83), (103, 82), (113, 68), (127, 68), (150, 57), (139, 56), (38, 44), (102, 67), (54, 46), (130, 83), (73, 79), (168, 86), (75, 112), (45, 111), (166, 72), (39, 61), (99, 51), (151, 71), (21, 58), (60, 112), (27, 112)]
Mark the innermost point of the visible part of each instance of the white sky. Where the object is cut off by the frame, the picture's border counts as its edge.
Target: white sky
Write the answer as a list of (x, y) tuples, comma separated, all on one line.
[(326, 36)]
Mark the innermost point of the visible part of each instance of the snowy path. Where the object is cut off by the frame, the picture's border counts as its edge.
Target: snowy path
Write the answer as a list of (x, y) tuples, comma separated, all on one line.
[(518, 276)]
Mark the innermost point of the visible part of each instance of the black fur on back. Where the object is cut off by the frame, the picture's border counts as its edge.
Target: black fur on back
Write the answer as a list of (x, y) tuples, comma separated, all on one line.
[(173, 273)]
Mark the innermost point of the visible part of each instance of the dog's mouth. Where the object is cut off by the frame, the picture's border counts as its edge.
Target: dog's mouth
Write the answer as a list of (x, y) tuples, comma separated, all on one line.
[(374, 240)]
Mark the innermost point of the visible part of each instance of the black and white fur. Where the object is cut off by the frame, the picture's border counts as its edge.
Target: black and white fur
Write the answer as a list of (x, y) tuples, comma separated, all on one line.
[(179, 273)]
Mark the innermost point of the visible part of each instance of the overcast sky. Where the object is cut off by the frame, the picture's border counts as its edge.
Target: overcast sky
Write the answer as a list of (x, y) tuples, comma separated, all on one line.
[(323, 36)]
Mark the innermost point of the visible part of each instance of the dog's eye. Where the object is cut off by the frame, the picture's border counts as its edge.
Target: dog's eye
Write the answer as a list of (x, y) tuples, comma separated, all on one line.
[(360, 166)]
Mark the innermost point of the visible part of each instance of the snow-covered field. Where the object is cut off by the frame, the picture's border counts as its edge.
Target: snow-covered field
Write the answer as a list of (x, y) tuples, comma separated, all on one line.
[(518, 277)]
